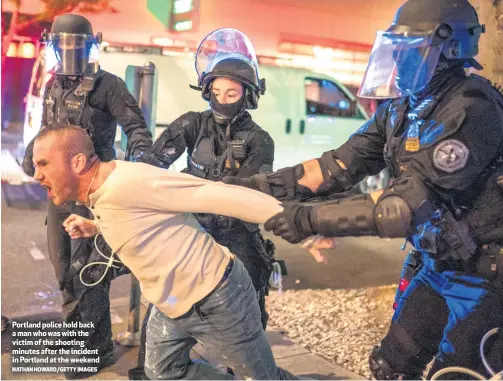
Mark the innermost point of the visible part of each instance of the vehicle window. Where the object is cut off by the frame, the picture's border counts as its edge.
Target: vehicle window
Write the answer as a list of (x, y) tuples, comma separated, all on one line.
[(325, 98)]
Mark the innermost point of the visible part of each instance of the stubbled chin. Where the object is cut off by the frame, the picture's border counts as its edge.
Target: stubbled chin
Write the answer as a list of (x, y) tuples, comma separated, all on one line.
[(56, 200)]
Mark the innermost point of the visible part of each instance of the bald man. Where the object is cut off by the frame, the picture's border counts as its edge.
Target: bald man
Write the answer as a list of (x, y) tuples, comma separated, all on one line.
[(201, 291)]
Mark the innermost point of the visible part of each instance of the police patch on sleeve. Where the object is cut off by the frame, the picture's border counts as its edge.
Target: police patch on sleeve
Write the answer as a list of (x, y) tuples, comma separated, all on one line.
[(450, 155)]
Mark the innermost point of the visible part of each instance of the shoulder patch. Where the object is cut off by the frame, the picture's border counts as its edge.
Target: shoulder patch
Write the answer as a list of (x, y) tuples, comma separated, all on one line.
[(450, 155)]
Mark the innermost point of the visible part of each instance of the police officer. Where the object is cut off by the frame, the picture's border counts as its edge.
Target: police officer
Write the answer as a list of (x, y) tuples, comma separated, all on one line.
[(224, 141), (441, 135), (82, 94)]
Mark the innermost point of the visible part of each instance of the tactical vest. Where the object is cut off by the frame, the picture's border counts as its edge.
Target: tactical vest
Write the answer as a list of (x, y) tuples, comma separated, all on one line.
[(205, 163), (481, 210), (71, 106)]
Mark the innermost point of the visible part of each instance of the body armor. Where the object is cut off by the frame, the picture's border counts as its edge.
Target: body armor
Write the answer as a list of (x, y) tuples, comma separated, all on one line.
[(67, 102)]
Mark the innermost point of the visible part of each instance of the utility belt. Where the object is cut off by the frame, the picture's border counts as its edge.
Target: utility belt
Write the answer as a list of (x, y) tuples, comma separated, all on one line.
[(490, 262), (215, 222), (456, 240), (486, 263)]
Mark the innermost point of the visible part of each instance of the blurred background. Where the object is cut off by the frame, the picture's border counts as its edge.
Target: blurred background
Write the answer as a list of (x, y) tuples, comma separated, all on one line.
[(330, 36)]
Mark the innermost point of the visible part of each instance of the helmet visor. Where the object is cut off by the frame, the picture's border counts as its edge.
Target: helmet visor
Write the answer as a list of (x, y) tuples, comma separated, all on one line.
[(399, 65), (71, 54), (224, 44)]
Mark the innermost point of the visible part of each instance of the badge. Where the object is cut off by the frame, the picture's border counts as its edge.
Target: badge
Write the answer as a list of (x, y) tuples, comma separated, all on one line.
[(450, 155), (412, 141), (49, 101), (79, 92), (73, 105), (228, 164)]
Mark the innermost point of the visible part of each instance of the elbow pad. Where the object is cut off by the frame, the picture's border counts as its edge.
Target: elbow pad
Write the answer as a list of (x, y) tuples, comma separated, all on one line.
[(393, 217), (402, 207)]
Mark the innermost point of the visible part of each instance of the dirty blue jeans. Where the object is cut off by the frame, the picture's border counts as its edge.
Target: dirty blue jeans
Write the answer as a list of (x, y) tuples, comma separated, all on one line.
[(227, 323)]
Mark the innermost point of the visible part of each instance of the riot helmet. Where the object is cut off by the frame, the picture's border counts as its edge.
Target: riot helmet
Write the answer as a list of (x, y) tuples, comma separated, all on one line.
[(404, 58), (229, 53), (71, 47)]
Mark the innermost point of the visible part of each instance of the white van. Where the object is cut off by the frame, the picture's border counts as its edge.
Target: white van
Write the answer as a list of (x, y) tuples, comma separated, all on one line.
[(306, 113)]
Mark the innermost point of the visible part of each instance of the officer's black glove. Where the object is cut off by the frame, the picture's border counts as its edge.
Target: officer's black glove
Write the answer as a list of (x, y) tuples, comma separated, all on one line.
[(292, 224), (136, 156), (28, 167), (150, 158), (247, 182)]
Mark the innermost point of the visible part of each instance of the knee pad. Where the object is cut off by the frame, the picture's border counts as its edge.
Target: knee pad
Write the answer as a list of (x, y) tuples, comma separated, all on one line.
[(381, 369)]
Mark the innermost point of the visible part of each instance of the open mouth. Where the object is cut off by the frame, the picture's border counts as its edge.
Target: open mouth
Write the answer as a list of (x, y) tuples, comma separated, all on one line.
[(49, 189)]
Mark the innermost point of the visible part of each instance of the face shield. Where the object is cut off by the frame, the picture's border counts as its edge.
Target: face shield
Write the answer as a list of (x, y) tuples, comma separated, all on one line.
[(399, 65), (224, 44), (71, 54)]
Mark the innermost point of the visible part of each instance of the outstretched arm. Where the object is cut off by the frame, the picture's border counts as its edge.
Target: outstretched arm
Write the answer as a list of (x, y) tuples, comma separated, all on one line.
[(335, 171), (180, 192)]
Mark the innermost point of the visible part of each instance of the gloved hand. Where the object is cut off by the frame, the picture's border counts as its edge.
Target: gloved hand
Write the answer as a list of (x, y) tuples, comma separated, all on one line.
[(137, 156), (28, 167), (247, 182), (150, 158), (293, 223)]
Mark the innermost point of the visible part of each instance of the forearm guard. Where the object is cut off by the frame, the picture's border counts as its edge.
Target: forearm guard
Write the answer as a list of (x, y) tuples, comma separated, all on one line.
[(360, 216), (400, 208)]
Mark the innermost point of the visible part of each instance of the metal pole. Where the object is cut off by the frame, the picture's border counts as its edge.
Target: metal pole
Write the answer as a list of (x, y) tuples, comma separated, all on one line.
[(144, 89)]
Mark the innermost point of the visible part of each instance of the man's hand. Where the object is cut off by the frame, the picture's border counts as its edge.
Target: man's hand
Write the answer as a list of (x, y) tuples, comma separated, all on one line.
[(292, 224), (80, 227), (316, 243)]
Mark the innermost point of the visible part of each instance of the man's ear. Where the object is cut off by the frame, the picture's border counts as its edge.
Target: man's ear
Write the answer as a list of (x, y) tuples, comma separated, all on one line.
[(79, 163)]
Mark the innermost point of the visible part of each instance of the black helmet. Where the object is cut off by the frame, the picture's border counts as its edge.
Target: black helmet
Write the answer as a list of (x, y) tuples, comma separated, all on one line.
[(406, 55), (238, 70), (71, 47), (71, 24), (229, 53), (452, 22)]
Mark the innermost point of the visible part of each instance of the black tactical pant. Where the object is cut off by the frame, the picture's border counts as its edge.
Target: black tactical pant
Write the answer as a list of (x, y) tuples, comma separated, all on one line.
[(80, 303), (444, 315)]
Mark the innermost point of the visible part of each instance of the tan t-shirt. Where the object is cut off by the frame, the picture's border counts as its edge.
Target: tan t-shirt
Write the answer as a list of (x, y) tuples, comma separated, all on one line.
[(144, 214)]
